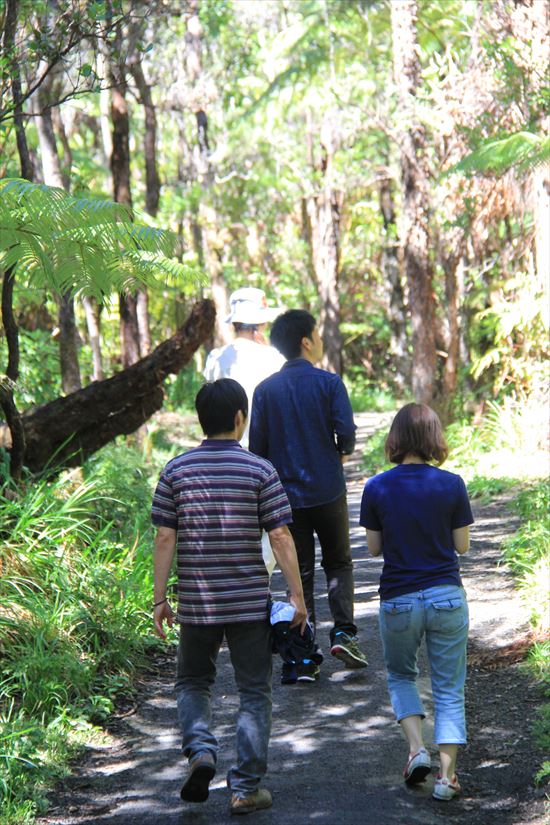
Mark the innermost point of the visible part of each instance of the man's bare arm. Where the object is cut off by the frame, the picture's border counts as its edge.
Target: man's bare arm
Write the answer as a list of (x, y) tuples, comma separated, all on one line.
[(284, 551), (165, 548)]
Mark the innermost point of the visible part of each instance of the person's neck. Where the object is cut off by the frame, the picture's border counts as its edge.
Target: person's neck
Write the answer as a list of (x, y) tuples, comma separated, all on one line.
[(249, 334), (307, 356), (411, 458), (232, 435)]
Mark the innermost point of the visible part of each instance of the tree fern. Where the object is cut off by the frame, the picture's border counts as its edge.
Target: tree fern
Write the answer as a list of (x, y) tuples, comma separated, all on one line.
[(522, 151), (85, 245)]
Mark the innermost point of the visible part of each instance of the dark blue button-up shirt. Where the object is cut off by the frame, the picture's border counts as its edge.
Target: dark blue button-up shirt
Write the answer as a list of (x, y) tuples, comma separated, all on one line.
[(302, 422)]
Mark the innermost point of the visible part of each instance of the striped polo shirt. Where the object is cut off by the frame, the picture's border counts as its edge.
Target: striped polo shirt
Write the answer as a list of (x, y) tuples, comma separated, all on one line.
[(219, 497)]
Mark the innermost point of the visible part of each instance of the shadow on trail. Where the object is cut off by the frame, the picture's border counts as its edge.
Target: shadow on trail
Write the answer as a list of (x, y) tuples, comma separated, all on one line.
[(336, 754)]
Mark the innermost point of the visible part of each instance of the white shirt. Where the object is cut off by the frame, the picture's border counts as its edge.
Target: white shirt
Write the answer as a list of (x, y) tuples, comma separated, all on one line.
[(246, 362)]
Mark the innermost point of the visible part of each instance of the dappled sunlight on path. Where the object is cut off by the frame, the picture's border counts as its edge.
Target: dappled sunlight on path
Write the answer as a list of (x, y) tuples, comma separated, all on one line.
[(336, 754)]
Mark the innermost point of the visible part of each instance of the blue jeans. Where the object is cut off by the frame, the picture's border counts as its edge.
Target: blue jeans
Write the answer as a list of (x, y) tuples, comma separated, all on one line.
[(250, 650), (441, 614)]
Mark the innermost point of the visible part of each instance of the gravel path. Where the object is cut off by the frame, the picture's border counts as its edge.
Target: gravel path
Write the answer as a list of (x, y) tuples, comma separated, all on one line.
[(336, 754)]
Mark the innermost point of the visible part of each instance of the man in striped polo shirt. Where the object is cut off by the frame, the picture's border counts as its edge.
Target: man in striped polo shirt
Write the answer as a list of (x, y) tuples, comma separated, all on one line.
[(211, 505)]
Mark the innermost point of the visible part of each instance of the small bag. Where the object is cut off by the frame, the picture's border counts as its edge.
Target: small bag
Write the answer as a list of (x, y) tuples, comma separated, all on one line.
[(292, 646)]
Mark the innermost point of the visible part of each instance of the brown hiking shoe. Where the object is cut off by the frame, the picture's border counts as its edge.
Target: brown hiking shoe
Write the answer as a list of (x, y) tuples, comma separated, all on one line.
[(256, 801), (202, 769)]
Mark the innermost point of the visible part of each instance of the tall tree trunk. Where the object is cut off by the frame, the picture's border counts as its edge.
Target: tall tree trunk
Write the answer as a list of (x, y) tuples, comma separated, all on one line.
[(415, 235), (152, 180), (67, 151), (531, 28), (51, 166), (94, 332), (325, 213), (7, 400), (120, 169), (7, 384), (392, 270), (208, 218), (152, 189), (9, 55)]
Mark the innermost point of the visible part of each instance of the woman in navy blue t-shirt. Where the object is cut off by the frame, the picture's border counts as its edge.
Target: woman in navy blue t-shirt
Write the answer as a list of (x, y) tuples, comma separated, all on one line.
[(418, 517)]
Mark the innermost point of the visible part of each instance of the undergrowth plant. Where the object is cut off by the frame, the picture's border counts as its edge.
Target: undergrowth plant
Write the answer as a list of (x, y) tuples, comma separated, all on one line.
[(75, 594)]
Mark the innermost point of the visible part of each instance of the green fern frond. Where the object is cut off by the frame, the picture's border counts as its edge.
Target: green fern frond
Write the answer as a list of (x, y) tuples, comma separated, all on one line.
[(80, 244), (523, 151)]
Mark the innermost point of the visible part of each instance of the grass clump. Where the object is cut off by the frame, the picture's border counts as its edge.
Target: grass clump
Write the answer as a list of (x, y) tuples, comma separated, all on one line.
[(75, 620), (528, 556)]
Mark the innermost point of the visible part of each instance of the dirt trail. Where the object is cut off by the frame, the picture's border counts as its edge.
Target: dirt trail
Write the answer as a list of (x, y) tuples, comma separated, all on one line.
[(336, 754)]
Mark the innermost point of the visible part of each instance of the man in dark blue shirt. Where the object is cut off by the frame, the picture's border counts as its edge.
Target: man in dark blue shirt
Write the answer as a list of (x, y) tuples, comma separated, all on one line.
[(302, 422)]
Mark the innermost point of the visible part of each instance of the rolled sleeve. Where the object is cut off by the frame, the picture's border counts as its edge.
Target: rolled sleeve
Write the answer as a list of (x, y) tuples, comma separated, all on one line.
[(342, 418)]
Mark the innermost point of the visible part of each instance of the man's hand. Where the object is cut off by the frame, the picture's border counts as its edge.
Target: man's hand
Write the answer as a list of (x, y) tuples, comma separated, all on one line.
[(300, 616), (163, 613), (284, 551)]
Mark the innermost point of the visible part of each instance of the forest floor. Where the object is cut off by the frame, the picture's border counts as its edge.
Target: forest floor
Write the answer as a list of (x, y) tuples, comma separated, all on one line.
[(336, 754)]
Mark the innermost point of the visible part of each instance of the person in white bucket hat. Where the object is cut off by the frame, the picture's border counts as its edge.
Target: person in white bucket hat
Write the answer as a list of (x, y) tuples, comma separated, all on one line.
[(249, 359)]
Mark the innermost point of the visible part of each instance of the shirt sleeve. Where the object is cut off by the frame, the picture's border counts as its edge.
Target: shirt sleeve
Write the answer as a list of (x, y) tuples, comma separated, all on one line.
[(368, 517), (273, 507), (163, 512), (342, 418), (462, 514), (212, 368), (257, 437)]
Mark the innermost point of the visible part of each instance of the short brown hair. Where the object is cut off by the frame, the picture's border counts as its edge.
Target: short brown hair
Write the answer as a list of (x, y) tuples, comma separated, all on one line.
[(417, 430)]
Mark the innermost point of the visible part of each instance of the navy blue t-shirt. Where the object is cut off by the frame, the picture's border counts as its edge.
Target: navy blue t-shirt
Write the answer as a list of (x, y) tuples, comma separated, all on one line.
[(416, 507)]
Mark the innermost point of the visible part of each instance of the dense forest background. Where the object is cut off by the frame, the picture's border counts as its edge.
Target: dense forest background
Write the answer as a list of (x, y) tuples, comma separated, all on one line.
[(383, 164)]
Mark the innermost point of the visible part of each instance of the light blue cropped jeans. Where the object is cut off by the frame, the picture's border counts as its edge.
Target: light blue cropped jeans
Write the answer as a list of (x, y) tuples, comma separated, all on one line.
[(441, 614)]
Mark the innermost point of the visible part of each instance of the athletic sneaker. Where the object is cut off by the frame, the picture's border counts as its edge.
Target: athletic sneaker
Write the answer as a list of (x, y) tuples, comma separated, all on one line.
[(418, 767), (202, 769), (308, 671), (446, 789), (346, 649)]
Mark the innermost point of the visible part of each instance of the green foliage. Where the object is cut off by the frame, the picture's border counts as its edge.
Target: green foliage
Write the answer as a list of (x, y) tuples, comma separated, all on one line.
[(74, 617), (368, 395), (39, 380), (182, 389), (486, 488), (527, 554), (124, 489), (514, 333), (86, 244), (373, 460), (522, 151)]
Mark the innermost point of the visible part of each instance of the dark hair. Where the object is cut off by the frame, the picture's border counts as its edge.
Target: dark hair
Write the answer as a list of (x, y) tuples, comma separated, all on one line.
[(416, 429), (238, 327), (217, 405), (289, 329)]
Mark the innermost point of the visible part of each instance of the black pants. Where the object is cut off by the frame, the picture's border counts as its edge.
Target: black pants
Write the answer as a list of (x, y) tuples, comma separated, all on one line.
[(331, 524)]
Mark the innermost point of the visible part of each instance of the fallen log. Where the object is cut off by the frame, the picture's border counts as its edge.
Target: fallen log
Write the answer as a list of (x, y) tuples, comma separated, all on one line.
[(64, 432)]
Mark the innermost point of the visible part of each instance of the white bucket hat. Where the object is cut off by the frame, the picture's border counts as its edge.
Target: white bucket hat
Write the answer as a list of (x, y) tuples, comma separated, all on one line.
[(248, 305)]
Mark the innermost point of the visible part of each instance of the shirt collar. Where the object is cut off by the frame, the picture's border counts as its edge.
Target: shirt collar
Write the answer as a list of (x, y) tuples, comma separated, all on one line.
[(220, 442), (297, 362)]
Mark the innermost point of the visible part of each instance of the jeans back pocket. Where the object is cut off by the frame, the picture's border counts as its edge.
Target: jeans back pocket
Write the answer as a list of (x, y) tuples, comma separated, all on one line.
[(395, 616), (450, 615)]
